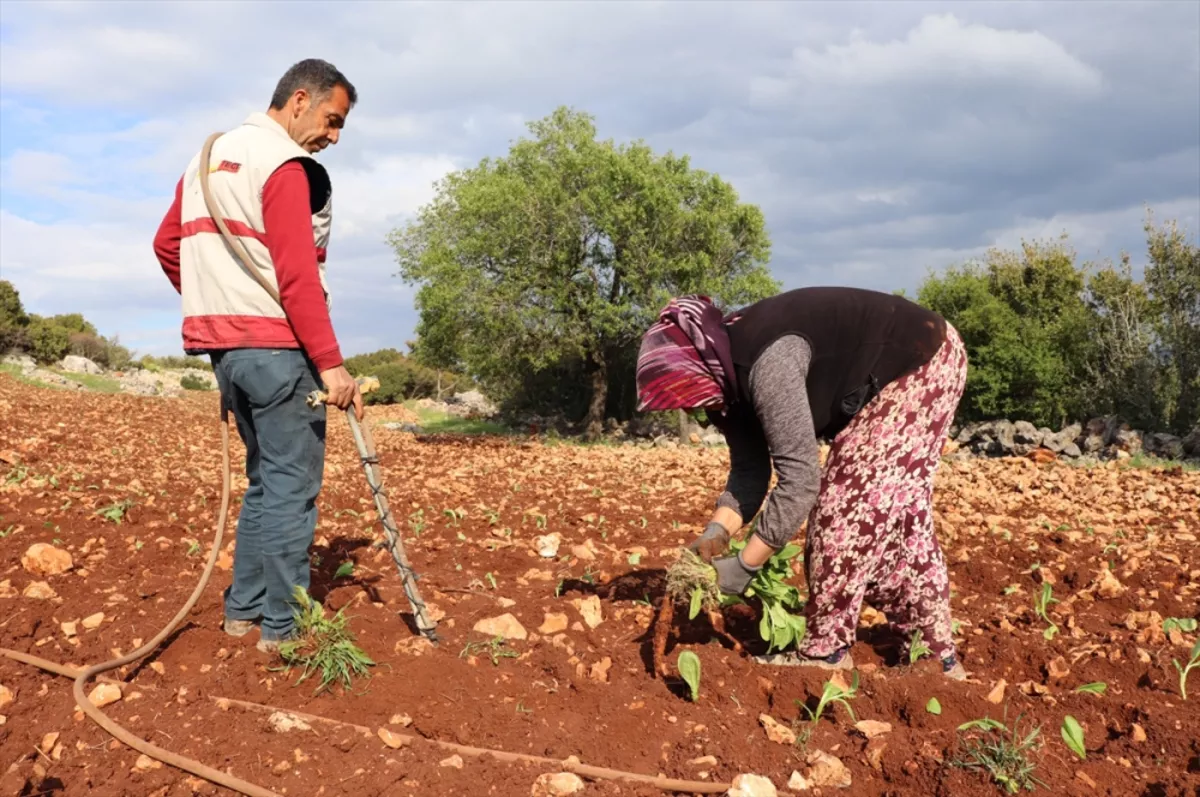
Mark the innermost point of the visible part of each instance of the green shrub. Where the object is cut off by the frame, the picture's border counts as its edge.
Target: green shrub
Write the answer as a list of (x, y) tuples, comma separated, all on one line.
[(401, 377), (193, 382), (48, 342)]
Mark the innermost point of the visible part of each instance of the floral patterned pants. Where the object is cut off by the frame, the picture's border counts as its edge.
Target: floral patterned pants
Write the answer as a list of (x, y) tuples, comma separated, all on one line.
[(870, 535)]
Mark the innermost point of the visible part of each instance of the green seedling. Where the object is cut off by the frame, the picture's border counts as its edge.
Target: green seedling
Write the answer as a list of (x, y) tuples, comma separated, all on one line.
[(491, 579), (933, 706), (493, 648), (689, 670), (1185, 624), (634, 559), (194, 548), (323, 645), (917, 647), (833, 693), (345, 570), (1097, 688), (1002, 754), (1072, 734), (779, 626), (115, 513), (1193, 661), (1041, 605)]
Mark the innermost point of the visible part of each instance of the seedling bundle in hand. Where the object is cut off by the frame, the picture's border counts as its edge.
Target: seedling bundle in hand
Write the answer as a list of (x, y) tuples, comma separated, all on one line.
[(693, 580)]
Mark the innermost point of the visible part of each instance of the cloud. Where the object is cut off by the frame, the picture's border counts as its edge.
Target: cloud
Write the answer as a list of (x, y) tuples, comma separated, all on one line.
[(880, 140), (940, 51)]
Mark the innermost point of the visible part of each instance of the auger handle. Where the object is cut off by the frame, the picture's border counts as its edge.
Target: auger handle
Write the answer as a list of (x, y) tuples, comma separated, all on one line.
[(366, 384)]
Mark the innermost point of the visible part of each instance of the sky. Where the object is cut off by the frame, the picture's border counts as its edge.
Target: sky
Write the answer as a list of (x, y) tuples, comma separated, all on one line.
[(881, 140)]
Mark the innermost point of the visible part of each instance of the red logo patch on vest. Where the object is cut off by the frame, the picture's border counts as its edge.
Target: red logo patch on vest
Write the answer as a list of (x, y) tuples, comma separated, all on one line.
[(226, 166)]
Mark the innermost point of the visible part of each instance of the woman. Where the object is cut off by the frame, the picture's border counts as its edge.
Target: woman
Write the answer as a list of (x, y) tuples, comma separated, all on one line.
[(879, 376)]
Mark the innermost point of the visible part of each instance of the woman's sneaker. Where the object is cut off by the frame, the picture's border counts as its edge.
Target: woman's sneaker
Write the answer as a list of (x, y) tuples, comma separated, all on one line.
[(952, 668), (838, 660)]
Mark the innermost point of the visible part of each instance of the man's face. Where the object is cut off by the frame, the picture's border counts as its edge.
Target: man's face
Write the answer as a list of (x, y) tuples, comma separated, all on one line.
[(314, 126)]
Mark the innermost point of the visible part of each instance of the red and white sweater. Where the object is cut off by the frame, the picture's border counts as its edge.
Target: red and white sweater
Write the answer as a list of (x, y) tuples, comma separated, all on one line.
[(276, 199)]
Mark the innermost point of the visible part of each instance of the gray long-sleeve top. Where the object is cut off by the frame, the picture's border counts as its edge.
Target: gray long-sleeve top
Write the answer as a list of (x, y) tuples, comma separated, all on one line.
[(783, 433)]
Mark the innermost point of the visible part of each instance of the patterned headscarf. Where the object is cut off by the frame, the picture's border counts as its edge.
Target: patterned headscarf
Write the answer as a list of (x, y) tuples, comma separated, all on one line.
[(685, 360)]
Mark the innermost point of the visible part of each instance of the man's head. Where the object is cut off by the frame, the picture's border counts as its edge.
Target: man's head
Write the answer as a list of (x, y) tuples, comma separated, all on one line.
[(311, 101)]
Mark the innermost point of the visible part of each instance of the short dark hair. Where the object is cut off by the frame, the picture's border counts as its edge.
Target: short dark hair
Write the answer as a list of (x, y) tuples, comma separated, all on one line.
[(314, 76)]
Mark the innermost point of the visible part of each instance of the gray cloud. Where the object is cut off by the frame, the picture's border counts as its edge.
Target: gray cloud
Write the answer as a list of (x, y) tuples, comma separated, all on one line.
[(881, 139)]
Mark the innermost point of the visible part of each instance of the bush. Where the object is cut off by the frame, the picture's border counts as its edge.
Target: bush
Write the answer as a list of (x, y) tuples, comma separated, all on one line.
[(193, 382), (14, 322), (48, 342), (402, 378), (85, 344)]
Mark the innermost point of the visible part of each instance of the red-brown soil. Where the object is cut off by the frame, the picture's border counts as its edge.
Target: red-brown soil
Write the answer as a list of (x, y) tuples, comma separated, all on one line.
[(67, 455)]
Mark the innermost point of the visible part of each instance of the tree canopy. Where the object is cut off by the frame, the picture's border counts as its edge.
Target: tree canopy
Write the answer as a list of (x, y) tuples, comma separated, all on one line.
[(555, 259)]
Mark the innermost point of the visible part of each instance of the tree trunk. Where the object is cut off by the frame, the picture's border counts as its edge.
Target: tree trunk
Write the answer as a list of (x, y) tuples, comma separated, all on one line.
[(684, 427), (595, 416)]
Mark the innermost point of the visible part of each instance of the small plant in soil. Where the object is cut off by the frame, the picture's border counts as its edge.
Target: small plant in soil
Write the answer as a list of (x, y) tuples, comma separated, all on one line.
[(1072, 734), (917, 647), (1185, 624), (1041, 605), (1001, 753), (1097, 688), (114, 513), (833, 691), (689, 670), (934, 706), (1193, 661), (493, 648), (323, 645)]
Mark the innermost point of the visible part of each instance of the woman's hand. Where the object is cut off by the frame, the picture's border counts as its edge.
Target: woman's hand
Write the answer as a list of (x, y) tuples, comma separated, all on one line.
[(713, 542), (733, 575)]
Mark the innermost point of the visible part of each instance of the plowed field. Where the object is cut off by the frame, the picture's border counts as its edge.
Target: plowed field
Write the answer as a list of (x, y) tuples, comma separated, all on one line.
[(128, 486)]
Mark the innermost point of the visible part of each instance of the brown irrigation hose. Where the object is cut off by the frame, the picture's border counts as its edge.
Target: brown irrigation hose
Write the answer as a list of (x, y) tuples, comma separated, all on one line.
[(571, 764), (83, 676)]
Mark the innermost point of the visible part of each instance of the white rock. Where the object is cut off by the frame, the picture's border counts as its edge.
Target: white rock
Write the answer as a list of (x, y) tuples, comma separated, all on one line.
[(780, 734), (93, 621), (505, 626), (39, 590), (6, 696), (751, 786), (558, 784), (104, 695), (454, 762), (43, 559), (282, 722), (553, 624), (145, 763), (798, 782), (547, 545), (75, 364), (827, 771), (591, 610)]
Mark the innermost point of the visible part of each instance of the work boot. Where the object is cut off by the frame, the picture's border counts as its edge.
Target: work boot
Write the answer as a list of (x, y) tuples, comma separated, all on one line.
[(239, 627), (272, 645)]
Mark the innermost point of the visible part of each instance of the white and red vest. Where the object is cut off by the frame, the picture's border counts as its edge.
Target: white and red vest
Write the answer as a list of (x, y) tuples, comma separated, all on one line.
[(224, 307)]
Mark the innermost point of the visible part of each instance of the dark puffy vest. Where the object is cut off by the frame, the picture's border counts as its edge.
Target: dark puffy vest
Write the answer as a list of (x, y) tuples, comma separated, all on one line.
[(861, 341)]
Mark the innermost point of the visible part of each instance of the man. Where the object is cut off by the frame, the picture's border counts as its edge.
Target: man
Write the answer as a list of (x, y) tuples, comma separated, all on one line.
[(267, 355)]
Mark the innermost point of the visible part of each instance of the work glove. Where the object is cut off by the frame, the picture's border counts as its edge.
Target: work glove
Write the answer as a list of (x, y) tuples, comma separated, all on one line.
[(733, 574), (714, 541)]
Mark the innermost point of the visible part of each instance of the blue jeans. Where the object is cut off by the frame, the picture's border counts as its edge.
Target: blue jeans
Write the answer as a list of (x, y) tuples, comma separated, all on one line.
[(285, 461)]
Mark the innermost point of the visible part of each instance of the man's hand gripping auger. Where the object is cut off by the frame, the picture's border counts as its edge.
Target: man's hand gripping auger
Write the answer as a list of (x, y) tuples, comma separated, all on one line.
[(395, 544)]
